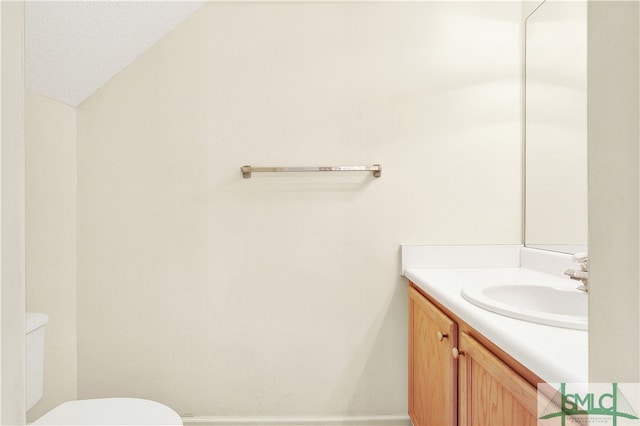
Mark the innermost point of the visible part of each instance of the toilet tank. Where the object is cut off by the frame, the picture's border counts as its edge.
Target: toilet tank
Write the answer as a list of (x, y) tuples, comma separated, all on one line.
[(35, 357)]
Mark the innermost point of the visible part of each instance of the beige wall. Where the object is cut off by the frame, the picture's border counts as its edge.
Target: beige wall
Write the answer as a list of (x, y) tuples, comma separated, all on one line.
[(143, 311), (614, 215), (51, 240), (12, 366), (282, 295)]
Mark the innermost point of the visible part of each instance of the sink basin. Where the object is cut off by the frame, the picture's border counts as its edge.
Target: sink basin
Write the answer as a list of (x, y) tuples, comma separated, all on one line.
[(543, 304)]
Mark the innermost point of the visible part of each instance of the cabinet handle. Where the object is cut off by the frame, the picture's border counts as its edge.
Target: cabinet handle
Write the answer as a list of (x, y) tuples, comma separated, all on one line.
[(442, 336), (455, 352)]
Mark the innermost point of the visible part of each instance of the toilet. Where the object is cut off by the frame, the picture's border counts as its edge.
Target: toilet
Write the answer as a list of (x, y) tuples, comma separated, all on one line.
[(102, 411)]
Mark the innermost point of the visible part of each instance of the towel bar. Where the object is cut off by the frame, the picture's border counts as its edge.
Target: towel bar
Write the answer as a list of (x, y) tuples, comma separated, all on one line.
[(376, 169)]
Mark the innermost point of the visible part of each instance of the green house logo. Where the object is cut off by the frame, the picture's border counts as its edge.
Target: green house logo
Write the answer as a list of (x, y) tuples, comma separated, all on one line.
[(601, 404)]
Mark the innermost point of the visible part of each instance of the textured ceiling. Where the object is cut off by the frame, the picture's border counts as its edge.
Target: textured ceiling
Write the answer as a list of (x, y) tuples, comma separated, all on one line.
[(72, 48)]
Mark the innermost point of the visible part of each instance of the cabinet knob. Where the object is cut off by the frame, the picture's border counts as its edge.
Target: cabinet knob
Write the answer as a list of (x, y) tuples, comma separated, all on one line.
[(442, 336), (455, 352)]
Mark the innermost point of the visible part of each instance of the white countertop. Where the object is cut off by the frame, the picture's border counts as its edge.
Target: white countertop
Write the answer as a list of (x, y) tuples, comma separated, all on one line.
[(555, 354)]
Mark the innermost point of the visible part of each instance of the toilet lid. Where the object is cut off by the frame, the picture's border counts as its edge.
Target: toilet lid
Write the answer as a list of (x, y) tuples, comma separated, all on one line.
[(111, 411)]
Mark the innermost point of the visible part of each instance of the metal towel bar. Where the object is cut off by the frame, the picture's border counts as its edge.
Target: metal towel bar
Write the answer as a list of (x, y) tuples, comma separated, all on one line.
[(376, 169)]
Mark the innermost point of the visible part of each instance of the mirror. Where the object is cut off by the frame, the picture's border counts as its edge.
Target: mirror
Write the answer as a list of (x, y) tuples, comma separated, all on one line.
[(556, 127)]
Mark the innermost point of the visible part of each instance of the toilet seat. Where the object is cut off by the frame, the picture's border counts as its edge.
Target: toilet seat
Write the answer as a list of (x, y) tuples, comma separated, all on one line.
[(111, 411)]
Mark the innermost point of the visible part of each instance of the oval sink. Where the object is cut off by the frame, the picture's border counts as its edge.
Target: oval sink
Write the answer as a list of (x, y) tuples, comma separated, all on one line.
[(541, 304)]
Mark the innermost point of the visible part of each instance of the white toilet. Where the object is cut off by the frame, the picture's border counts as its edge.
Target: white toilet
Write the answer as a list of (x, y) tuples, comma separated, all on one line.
[(104, 411)]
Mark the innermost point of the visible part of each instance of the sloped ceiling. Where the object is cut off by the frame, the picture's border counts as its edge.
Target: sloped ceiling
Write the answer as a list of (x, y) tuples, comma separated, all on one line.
[(72, 48)]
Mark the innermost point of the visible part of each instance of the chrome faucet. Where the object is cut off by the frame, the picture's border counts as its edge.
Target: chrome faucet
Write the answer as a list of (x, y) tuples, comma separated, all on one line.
[(581, 273)]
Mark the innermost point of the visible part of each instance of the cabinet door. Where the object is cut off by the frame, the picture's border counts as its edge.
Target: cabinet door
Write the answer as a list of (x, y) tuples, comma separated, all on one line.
[(432, 369), (491, 393)]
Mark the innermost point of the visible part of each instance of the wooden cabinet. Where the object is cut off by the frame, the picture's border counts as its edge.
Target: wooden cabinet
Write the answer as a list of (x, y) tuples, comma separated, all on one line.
[(432, 369), (457, 377), (491, 393)]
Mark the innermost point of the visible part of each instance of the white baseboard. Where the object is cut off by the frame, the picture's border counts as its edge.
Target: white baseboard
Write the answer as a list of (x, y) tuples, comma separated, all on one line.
[(298, 421)]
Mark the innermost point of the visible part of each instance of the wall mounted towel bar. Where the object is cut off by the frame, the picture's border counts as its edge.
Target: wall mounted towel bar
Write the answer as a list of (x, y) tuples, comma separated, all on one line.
[(376, 169)]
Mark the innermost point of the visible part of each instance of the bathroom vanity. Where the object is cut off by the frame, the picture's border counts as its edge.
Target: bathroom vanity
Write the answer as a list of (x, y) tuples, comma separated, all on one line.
[(469, 365), (488, 324)]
